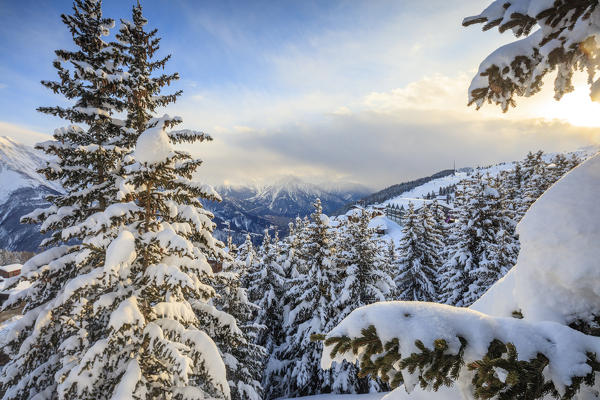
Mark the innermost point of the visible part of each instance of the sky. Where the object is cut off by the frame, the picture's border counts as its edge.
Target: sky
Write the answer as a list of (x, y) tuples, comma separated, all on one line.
[(371, 92)]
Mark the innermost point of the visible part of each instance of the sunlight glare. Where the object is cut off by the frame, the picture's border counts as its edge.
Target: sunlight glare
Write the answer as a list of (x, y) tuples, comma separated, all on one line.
[(575, 108)]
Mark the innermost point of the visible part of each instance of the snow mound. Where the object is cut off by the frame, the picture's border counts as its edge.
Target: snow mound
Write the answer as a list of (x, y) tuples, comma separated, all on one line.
[(557, 275), (153, 146)]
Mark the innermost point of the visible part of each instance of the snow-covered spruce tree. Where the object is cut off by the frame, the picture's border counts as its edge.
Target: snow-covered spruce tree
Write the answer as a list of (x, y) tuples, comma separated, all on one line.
[(136, 324), (488, 353), (500, 251), (247, 256), (389, 253), (129, 317), (266, 287), (289, 251), (418, 256), (454, 278), (266, 291), (476, 260), (144, 89), (538, 180), (296, 365), (87, 163), (365, 280), (86, 160), (242, 356)]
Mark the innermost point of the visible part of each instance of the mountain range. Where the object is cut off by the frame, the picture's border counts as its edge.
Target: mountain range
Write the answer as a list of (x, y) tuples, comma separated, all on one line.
[(252, 209), (244, 209)]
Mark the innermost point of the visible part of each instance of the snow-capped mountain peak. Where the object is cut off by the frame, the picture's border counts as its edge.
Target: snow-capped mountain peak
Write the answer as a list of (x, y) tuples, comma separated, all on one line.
[(18, 168)]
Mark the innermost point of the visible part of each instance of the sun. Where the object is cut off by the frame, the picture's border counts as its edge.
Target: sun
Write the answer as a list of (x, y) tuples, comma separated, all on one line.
[(576, 108)]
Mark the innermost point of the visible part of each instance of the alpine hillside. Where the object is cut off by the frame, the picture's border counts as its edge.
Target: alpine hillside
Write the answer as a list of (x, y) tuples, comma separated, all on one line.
[(22, 190)]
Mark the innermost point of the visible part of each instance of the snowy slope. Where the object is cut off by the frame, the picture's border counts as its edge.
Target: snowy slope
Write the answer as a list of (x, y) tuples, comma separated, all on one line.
[(22, 190), (18, 166), (416, 195)]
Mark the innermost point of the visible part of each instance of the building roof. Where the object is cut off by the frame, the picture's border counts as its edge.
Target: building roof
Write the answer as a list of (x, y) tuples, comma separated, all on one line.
[(11, 267)]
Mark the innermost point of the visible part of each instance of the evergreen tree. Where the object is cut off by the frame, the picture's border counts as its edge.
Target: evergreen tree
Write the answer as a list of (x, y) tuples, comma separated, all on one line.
[(86, 161), (365, 280), (266, 288), (560, 166), (295, 368), (125, 312), (484, 246), (247, 256), (392, 262), (418, 256), (500, 249), (538, 180), (289, 249), (242, 356)]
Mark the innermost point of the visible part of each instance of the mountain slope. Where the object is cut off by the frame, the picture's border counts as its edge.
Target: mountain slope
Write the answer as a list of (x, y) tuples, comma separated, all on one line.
[(22, 190), (392, 191), (254, 209)]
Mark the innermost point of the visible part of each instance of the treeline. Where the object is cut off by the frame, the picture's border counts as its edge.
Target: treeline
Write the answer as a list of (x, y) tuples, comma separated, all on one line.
[(14, 257)]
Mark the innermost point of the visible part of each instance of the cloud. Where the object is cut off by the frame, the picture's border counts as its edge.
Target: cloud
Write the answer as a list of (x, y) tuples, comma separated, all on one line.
[(382, 150), (380, 139), (437, 92)]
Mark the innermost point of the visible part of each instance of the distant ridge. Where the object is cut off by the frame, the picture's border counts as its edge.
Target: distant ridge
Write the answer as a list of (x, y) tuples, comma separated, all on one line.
[(392, 191)]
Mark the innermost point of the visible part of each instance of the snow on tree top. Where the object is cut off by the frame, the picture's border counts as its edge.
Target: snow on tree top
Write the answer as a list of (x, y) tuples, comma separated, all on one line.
[(153, 146)]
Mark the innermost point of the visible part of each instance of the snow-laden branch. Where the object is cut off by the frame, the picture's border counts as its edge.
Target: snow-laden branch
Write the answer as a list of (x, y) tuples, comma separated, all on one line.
[(433, 344)]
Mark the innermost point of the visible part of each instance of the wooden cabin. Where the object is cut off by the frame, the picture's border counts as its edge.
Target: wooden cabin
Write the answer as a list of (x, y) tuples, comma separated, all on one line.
[(8, 271)]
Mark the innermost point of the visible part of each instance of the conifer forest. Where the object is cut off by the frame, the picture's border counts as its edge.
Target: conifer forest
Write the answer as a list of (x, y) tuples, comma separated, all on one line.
[(303, 230)]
